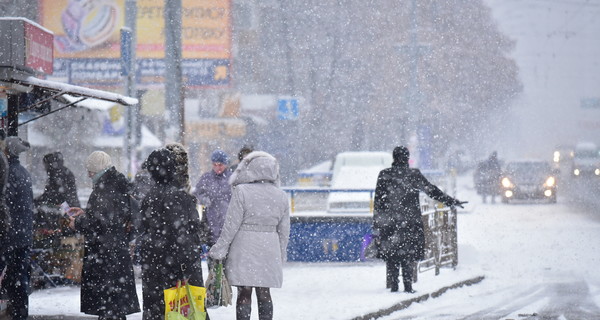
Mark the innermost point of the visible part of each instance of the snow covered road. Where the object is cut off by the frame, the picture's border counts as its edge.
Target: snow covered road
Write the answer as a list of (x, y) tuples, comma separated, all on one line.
[(540, 262)]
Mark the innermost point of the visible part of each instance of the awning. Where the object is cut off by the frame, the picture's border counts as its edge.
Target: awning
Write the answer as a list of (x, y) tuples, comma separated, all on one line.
[(91, 103), (25, 83), (46, 90)]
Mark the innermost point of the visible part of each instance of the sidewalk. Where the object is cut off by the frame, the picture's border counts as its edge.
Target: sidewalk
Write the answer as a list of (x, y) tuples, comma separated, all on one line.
[(310, 291)]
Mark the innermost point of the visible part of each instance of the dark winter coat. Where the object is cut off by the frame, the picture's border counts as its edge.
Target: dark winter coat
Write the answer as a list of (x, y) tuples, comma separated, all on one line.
[(487, 176), (61, 185), (214, 192), (19, 202), (397, 215), (170, 223), (107, 283), (4, 215), (170, 246)]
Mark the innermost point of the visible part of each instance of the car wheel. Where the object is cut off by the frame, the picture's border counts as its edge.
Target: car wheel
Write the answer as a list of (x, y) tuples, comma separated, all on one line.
[(504, 200), (553, 198)]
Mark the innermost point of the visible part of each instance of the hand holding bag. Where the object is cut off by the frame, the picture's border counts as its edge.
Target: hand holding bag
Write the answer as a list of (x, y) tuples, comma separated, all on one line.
[(218, 290), (185, 302)]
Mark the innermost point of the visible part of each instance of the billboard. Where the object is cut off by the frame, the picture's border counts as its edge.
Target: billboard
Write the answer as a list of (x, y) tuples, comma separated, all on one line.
[(87, 40)]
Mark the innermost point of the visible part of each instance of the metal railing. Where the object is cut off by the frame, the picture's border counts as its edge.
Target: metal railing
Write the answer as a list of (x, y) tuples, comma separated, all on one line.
[(441, 245)]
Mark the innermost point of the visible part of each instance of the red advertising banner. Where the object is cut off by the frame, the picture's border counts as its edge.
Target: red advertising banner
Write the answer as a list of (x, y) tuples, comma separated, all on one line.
[(39, 52)]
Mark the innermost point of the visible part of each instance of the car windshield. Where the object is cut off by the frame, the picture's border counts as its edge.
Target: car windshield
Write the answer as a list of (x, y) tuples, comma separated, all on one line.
[(586, 154), (528, 168)]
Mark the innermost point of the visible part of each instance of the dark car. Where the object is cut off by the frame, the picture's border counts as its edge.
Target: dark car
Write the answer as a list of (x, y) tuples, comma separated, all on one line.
[(529, 179)]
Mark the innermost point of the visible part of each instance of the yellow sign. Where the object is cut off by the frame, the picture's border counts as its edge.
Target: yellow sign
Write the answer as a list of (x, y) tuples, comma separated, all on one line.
[(91, 28)]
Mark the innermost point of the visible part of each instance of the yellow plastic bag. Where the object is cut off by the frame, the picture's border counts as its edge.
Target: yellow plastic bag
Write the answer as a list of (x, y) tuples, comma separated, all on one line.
[(185, 302)]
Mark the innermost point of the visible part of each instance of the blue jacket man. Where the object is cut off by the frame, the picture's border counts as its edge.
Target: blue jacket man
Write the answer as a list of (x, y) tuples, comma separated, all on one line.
[(19, 239)]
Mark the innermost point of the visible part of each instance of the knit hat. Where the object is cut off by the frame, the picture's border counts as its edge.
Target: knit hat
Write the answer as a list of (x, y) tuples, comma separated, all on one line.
[(98, 161), (219, 156), (15, 145)]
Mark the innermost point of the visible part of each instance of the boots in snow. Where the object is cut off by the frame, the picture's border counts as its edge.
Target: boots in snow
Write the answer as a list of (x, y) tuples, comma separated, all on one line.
[(242, 311)]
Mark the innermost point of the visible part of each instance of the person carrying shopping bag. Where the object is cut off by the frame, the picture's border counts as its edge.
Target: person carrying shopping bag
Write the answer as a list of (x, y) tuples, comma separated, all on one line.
[(254, 238), (170, 244)]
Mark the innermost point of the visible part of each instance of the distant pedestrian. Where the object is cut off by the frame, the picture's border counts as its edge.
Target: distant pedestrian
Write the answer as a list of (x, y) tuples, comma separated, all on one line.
[(17, 243), (397, 220), (170, 244), (244, 151), (487, 177), (213, 192), (107, 282), (254, 238)]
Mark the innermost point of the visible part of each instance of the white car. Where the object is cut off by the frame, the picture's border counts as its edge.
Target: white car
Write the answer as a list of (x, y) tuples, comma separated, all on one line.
[(356, 172)]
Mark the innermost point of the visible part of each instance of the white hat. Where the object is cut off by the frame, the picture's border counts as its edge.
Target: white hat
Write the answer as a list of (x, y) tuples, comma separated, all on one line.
[(98, 161)]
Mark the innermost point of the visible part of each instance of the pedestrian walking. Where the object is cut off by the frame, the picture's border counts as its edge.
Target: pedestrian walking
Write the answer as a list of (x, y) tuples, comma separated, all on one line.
[(16, 247), (487, 177), (107, 281), (397, 220), (254, 238), (170, 244)]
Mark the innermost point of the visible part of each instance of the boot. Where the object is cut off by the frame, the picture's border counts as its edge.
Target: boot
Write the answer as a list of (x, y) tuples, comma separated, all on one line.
[(408, 287), (394, 287), (242, 311), (265, 310)]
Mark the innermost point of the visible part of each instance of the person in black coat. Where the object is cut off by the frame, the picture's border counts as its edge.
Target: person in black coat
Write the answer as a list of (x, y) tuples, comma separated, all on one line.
[(61, 186), (107, 281), (16, 246), (487, 177), (170, 245), (4, 215), (397, 217)]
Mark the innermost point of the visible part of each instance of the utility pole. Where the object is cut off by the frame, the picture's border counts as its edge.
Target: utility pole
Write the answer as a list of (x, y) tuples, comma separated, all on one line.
[(128, 54), (414, 97), (173, 73)]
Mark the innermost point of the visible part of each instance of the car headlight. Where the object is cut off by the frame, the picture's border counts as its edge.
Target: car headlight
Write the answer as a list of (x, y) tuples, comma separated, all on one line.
[(550, 182), (506, 183)]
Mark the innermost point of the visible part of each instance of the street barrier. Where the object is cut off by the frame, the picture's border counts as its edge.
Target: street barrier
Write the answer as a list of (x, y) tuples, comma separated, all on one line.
[(319, 236)]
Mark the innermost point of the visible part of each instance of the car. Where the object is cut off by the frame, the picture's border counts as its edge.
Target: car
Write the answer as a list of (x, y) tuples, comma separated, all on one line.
[(355, 178), (586, 160), (528, 179)]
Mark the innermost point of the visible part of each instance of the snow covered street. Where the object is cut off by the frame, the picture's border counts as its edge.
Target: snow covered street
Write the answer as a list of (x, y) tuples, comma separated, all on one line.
[(536, 258)]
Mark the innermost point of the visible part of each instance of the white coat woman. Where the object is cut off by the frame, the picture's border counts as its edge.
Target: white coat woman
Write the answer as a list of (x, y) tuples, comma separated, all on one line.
[(255, 235)]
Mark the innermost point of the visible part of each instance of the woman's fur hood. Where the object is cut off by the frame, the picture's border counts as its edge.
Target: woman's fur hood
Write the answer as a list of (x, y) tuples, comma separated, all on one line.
[(257, 166)]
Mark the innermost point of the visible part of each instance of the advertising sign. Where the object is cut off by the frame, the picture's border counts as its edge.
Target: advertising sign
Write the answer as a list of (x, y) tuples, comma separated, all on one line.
[(87, 34), (38, 48), (26, 46)]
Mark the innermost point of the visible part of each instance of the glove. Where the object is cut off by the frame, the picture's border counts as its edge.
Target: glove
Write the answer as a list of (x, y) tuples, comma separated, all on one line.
[(458, 203)]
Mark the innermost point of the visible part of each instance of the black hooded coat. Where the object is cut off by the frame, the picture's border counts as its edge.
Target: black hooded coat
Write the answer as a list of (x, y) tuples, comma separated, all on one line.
[(170, 245), (107, 282), (397, 211), (61, 185)]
